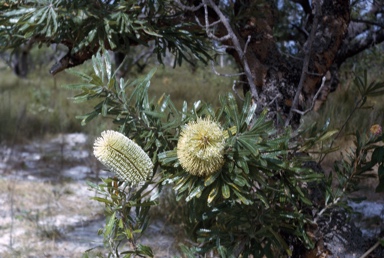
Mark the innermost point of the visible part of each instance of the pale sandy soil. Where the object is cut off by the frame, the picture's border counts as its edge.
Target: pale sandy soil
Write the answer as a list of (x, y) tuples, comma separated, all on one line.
[(46, 210)]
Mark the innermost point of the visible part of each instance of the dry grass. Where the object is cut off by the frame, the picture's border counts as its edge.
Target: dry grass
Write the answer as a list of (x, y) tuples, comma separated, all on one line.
[(38, 105)]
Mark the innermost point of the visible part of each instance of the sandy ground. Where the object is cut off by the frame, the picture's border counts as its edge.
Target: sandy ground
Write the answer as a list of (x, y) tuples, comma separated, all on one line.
[(46, 210)]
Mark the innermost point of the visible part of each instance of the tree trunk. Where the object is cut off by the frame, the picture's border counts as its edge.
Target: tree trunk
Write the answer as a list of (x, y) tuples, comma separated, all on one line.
[(278, 77)]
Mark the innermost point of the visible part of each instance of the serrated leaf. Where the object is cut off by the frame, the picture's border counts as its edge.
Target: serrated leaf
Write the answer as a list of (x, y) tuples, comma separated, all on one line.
[(243, 165)]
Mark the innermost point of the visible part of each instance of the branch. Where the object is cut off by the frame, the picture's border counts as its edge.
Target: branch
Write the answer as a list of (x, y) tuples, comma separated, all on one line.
[(224, 74), (368, 22), (188, 8), (236, 43), (324, 79), (235, 87), (371, 249), (208, 31), (307, 57), (350, 49)]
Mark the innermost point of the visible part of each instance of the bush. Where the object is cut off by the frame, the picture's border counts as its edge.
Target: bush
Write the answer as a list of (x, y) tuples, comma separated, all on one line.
[(246, 188)]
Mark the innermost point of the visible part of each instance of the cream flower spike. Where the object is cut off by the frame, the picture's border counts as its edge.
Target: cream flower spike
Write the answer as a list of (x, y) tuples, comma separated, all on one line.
[(122, 156), (200, 147)]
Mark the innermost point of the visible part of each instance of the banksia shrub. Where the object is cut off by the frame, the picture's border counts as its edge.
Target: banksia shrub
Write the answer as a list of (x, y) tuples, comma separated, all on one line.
[(200, 147), (122, 156)]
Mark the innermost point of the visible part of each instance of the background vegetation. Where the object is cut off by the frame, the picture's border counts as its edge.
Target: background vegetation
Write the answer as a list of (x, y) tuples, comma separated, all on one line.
[(38, 104)]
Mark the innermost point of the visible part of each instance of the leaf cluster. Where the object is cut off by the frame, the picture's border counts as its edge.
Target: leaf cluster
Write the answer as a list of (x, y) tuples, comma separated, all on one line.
[(259, 195), (250, 206), (88, 26), (126, 215)]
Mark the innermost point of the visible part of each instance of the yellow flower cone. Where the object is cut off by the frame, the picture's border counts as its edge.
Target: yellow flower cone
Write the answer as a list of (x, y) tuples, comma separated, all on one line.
[(200, 147), (122, 156)]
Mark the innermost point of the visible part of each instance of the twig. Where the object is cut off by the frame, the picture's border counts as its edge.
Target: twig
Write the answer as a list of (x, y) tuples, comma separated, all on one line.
[(208, 31), (356, 107), (223, 74), (273, 100), (236, 43), (246, 44), (188, 8), (368, 22), (306, 62), (370, 250), (313, 100), (234, 88), (209, 25)]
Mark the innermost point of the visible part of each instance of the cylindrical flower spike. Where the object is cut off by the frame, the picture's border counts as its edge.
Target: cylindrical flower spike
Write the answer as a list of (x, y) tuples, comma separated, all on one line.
[(200, 147), (122, 156)]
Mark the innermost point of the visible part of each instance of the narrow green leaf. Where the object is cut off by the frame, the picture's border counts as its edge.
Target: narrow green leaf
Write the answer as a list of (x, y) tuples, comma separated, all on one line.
[(84, 76), (247, 145), (242, 198), (225, 191), (108, 65), (240, 181), (209, 180), (281, 241), (43, 16), (145, 250), (103, 200), (327, 135), (110, 225), (195, 192), (212, 195)]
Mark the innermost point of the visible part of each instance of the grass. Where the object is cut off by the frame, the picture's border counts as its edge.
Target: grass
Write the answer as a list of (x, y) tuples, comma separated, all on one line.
[(38, 105), (34, 106)]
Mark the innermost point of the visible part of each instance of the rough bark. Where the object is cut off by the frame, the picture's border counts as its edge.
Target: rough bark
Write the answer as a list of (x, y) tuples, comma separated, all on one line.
[(277, 77)]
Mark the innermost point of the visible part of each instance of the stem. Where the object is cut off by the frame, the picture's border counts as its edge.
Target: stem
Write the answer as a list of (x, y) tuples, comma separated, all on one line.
[(236, 43), (358, 105), (370, 250), (307, 57)]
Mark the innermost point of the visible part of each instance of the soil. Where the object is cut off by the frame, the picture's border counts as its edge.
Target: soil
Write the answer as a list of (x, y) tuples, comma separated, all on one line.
[(46, 207)]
